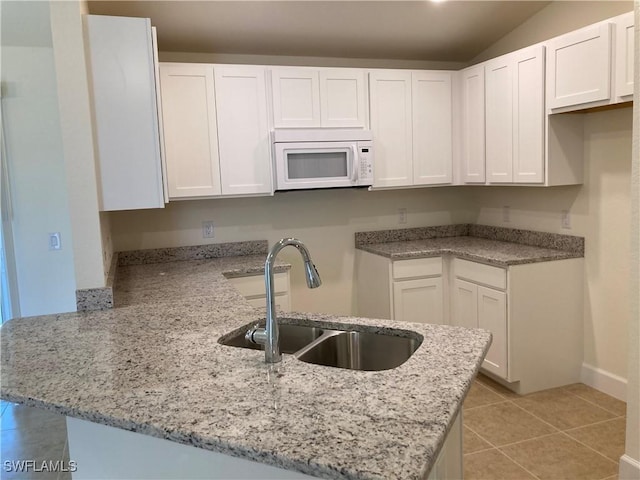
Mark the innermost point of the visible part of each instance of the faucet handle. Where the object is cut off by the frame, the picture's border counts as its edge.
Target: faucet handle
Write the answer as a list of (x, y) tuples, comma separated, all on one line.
[(256, 335)]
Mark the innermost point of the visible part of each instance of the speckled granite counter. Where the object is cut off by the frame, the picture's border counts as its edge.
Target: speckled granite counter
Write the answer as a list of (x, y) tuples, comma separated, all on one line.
[(154, 365), (491, 245)]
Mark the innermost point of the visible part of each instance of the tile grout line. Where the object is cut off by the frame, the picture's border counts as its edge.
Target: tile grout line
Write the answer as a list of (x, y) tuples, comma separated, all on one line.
[(599, 406), (484, 405), (538, 418), (593, 424), (590, 448), (494, 447), (556, 429)]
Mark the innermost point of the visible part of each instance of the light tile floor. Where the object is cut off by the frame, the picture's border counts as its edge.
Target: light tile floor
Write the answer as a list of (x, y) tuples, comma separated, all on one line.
[(32, 434), (571, 433)]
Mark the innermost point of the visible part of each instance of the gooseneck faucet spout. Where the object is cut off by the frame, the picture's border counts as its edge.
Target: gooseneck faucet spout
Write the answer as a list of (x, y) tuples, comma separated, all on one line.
[(270, 336)]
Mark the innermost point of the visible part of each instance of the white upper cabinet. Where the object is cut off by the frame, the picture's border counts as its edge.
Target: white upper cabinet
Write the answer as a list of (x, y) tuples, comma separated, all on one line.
[(499, 112), (624, 56), (528, 115), (190, 130), (243, 130), (514, 87), (122, 71), (343, 97), (216, 130), (328, 97), (391, 125), (579, 67), (411, 121), (296, 97), (473, 124), (432, 128)]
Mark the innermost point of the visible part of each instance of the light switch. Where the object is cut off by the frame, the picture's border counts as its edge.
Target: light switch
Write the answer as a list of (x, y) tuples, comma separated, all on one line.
[(54, 241)]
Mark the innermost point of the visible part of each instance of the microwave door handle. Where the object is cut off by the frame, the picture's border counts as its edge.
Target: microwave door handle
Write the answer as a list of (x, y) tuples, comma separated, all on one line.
[(354, 165)]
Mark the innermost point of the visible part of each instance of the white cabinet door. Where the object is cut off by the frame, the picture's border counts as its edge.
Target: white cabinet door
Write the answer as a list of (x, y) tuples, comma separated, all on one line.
[(432, 128), (190, 130), (296, 97), (343, 97), (391, 125), (499, 110), (578, 67), (464, 311), (528, 116), (514, 87), (243, 130), (624, 55), (492, 316), (473, 126), (418, 300), (126, 116), (475, 306)]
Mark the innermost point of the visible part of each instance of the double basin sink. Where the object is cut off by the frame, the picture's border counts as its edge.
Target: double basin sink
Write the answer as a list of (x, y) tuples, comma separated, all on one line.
[(354, 350)]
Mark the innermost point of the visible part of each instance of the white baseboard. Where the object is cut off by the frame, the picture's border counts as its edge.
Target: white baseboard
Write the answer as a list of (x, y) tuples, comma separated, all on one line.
[(629, 468), (604, 381)]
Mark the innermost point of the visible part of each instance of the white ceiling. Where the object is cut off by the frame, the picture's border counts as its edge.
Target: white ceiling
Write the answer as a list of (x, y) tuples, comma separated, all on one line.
[(453, 30)]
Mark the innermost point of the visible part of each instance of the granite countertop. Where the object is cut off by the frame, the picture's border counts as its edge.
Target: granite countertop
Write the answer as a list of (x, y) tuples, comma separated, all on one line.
[(491, 245), (492, 252), (154, 365)]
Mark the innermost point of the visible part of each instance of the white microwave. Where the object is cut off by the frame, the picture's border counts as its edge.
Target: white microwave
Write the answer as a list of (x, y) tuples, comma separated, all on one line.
[(322, 158)]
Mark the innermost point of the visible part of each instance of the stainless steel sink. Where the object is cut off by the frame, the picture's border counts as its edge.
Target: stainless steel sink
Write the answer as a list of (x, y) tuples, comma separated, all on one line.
[(292, 338), (359, 350), (337, 348)]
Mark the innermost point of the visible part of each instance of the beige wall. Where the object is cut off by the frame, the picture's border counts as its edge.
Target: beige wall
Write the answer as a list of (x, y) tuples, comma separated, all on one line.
[(632, 445), (45, 279), (304, 61), (325, 220), (77, 137), (599, 211), (557, 18)]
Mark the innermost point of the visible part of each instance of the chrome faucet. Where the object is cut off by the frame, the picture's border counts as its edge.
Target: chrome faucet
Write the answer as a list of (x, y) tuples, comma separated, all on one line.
[(270, 336)]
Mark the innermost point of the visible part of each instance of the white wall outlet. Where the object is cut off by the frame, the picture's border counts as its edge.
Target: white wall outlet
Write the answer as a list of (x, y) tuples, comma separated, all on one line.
[(207, 230), (54, 241), (506, 214), (402, 216), (565, 219)]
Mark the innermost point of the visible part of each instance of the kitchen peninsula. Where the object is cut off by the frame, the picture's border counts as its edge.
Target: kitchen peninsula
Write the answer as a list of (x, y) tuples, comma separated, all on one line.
[(153, 366)]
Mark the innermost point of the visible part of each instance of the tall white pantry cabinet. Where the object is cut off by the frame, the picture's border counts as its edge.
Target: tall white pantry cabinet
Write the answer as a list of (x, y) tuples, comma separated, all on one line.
[(123, 91)]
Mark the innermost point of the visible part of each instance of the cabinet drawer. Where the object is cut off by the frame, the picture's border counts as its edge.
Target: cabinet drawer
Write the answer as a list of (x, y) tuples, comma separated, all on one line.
[(495, 277), (253, 285), (417, 267)]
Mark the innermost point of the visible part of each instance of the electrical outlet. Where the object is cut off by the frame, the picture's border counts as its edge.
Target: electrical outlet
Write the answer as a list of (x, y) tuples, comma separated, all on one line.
[(506, 214), (565, 219), (402, 216), (207, 229), (54, 241)]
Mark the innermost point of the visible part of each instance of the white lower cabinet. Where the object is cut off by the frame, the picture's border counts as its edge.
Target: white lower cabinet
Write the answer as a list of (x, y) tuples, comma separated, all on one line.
[(449, 462), (412, 299), (475, 306), (405, 290), (534, 313), (252, 287)]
